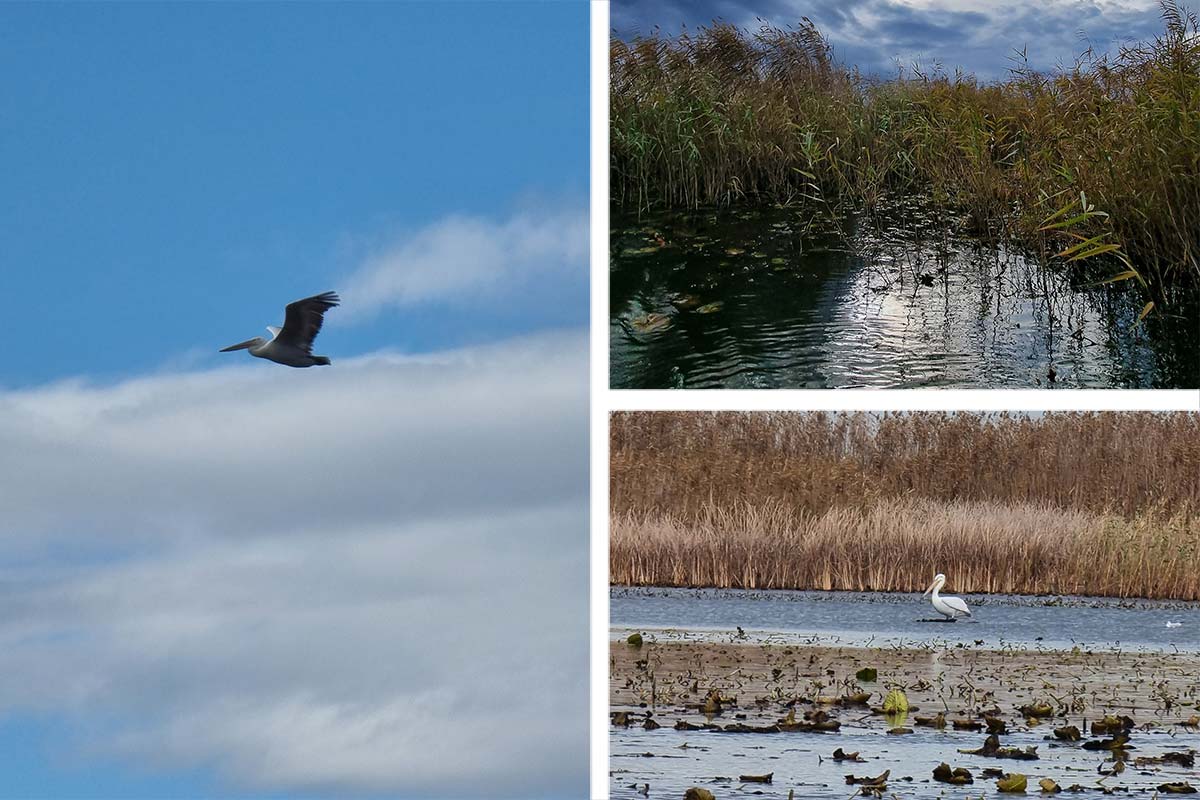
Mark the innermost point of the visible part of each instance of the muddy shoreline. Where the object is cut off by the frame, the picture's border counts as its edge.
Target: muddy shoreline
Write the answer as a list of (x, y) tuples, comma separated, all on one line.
[(706, 713)]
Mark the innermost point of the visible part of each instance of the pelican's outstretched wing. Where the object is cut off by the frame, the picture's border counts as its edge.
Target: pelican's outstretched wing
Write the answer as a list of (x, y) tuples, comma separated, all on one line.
[(303, 320), (957, 604)]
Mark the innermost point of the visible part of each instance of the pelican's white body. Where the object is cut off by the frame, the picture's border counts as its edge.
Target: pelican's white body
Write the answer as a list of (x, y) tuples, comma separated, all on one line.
[(282, 354), (950, 607), (292, 344)]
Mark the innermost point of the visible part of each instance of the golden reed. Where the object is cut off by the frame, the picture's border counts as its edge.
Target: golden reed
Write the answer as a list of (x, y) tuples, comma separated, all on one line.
[(1080, 503)]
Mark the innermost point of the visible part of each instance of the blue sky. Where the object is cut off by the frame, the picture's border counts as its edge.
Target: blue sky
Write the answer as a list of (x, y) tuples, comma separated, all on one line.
[(978, 36), (224, 578), (178, 172)]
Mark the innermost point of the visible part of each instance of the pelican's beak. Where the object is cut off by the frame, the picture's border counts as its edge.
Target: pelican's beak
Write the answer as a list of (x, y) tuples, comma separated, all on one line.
[(241, 346), (930, 589)]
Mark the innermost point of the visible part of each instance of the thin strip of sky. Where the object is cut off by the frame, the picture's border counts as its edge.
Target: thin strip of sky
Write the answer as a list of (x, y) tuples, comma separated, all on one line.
[(981, 37)]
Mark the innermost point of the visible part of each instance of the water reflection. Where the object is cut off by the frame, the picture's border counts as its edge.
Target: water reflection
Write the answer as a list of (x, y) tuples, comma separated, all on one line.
[(775, 298)]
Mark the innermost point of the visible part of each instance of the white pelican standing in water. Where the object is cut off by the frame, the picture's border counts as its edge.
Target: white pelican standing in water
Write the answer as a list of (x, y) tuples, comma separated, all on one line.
[(292, 344), (949, 607)]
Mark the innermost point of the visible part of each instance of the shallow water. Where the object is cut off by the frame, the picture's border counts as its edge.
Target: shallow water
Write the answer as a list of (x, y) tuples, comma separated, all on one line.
[(802, 762), (794, 646), (853, 618), (775, 299)]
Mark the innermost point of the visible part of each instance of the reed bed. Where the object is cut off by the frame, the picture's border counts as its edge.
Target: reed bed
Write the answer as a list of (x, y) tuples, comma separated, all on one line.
[(896, 546), (1102, 157), (1072, 503), (685, 463)]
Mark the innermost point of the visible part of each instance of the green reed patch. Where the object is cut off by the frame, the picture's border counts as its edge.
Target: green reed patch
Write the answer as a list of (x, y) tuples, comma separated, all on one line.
[(1098, 159)]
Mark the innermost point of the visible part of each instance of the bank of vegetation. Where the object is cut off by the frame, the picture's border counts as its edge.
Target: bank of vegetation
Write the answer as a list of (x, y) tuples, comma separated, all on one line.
[(1066, 503), (1101, 158)]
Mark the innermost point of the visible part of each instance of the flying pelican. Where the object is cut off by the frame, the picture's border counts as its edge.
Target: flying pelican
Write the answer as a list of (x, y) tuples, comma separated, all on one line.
[(949, 607), (292, 344)]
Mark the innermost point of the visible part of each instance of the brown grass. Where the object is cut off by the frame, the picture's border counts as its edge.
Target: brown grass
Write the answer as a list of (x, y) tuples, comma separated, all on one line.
[(683, 463), (1096, 503), (895, 546)]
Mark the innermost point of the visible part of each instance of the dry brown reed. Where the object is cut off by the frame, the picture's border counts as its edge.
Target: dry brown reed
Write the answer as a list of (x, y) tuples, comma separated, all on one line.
[(896, 546), (683, 463), (1080, 503)]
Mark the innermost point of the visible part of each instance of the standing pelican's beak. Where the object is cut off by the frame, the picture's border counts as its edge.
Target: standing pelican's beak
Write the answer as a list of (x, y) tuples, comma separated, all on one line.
[(930, 589), (241, 346)]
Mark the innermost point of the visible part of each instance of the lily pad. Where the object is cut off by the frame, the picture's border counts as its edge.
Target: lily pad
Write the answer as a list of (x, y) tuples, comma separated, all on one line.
[(896, 702), (1014, 783), (651, 323)]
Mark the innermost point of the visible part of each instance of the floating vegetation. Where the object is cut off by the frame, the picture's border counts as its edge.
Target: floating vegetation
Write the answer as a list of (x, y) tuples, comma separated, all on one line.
[(895, 702), (957, 776), (1180, 787), (651, 323), (1067, 733), (992, 749), (891, 300), (756, 778), (771, 685), (1015, 782)]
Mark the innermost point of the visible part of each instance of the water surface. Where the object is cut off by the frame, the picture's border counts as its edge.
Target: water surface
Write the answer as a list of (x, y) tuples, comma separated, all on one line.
[(775, 651), (879, 619), (777, 298)]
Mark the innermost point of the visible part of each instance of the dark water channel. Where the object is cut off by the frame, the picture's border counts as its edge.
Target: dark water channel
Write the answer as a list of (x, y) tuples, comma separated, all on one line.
[(773, 298)]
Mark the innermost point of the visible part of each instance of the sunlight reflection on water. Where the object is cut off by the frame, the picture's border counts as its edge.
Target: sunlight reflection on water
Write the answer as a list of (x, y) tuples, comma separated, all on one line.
[(767, 299)]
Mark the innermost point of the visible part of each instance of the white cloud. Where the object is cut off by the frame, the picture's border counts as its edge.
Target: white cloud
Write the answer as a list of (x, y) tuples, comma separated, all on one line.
[(463, 260), (365, 579)]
